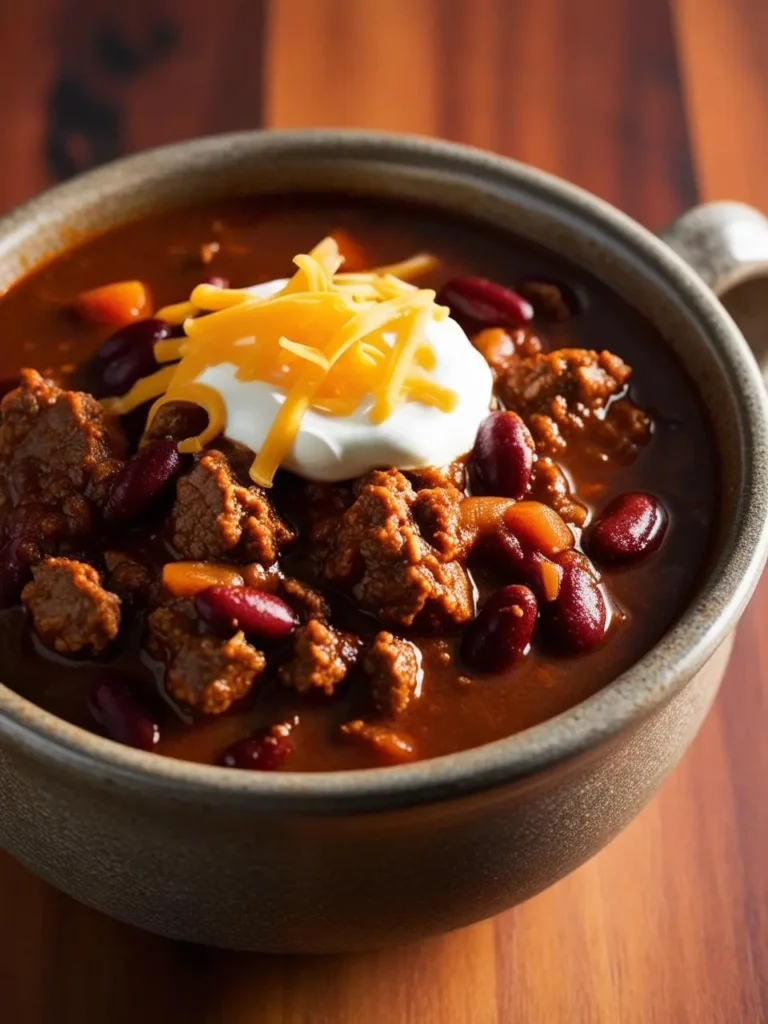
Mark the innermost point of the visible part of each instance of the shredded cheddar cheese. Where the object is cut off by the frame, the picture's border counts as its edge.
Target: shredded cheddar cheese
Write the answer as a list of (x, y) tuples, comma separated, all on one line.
[(327, 340)]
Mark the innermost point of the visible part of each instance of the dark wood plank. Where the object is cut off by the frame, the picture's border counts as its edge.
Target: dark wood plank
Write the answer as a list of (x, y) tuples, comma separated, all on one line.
[(667, 924), (724, 54), (28, 59), (129, 76)]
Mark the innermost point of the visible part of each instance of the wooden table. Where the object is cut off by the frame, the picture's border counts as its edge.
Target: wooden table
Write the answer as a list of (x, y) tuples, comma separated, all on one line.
[(653, 104)]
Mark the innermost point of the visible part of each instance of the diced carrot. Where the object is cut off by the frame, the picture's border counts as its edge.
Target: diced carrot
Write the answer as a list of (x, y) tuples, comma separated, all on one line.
[(494, 344), (114, 304), (185, 579), (538, 525), (481, 517), (551, 576)]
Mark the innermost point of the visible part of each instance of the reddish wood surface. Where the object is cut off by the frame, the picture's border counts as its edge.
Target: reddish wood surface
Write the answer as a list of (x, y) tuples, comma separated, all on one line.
[(651, 104)]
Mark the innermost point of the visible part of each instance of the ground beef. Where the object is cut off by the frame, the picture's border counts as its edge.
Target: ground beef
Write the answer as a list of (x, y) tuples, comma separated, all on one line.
[(549, 485), (178, 420), (307, 602), (394, 668), (70, 609), (452, 475), (436, 512), (377, 551), (569, 392), (202, 671), (130, 580), (56, 443), (389, 745), (37, 530), (215, 516), (322, 657)]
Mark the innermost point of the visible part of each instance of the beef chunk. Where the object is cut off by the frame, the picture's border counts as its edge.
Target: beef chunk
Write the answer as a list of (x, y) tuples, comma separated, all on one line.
[(376, 550), (436, 512), (130, 580), (307, 602), (55, 443), (215, 516), (452, 475), (389, 745), (569, 392), (178, 420), (70, 609), (322, 657), (38, 530), (394, 668), (549, 485), (203, 671)]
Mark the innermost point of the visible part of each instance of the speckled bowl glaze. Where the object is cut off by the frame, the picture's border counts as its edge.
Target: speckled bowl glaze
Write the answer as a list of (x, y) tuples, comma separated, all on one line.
[(323, 862)]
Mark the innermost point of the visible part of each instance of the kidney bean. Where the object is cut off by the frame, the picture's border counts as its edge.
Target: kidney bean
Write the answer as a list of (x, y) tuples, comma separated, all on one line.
[(629, 528), (141, 333), (256, 612), (577, 620), (263, 752), (502, 630), (477, 303), (502, 458), (144, 476), (122, 715), (13, 574), (552, 300), (526, 565), (119, 375)]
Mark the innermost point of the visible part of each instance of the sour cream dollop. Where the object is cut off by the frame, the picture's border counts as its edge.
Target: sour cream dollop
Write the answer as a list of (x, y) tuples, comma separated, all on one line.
[(330, 448)]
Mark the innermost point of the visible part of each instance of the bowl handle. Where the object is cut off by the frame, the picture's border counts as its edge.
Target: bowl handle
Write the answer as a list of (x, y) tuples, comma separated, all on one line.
[(727, 244)]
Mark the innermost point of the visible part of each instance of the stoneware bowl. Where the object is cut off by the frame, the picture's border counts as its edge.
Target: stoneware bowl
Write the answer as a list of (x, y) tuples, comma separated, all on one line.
[(324, 862)]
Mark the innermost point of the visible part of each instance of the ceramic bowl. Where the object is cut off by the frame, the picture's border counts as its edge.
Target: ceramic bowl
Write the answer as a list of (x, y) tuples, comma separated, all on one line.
[(351, 860)]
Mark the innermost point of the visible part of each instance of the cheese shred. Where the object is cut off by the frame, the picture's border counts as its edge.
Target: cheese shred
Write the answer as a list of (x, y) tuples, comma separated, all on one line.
[(328, 340)]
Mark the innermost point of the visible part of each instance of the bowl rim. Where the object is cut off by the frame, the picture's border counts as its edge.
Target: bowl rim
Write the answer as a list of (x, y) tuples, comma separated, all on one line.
[(625, 702)]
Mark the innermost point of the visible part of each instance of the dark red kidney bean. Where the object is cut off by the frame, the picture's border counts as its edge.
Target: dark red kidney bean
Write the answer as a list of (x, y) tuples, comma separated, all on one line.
[(121, 374), (263, 752), (13, 574), (114, 707), (144, 476), (141, 333), (217, 281), (577, 620), (502, 458), (522, 562), (8, 384), (256, 612), (551, 299), (502, 630), (477, 303), (629, 528)]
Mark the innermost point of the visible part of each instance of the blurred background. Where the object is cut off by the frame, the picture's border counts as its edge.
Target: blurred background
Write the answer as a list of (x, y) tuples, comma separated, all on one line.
[(652, 104), (646, 102)]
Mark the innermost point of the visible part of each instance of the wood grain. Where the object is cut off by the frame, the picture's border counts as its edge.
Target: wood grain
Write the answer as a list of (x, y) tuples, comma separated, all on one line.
[(637, 102)]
